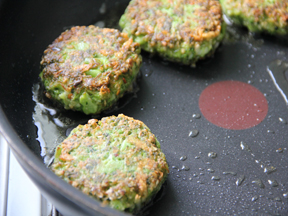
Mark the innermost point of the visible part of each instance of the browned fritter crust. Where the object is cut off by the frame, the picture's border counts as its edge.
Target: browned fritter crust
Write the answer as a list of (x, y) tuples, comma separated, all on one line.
[(259, 15), (174, 26), (148, 19), (116, 160), (93, 60)]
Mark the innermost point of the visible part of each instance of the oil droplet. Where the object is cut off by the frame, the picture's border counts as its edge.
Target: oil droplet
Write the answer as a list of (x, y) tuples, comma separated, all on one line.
[(210, 170), (208, 163), (254, 198), (282, 120), (244, 146), (240, 180), (273, 182), (195, 175), (270, 131), (250, 82), (259, 183), (215, 178), (285, 195), (183, 158), (231, 173), (212, 154), (277, 199), (279, 150), (280, 53), (193, 133), (197, 157), (270, 169), (148, 72), (185, 168), (196, 116)]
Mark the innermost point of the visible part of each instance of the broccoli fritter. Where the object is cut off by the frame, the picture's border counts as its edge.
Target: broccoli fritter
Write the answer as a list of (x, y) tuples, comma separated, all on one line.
[(270, 16), (88, 68), (182, 31), (116, 160)]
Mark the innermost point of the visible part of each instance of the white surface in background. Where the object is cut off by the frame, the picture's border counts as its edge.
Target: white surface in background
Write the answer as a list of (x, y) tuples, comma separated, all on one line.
[(4, 165), (23, 197)]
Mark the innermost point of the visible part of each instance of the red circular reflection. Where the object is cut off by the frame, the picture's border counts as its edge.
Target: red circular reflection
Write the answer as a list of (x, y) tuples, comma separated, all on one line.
[(233, 105)]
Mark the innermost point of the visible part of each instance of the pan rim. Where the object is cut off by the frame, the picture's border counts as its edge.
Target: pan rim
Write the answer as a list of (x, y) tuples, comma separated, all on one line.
[(24, 155)]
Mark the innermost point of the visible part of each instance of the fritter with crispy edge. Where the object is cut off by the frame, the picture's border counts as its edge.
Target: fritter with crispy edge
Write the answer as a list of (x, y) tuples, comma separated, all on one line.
[(88, 68), (269, 16), (182, 31), (116, 160)]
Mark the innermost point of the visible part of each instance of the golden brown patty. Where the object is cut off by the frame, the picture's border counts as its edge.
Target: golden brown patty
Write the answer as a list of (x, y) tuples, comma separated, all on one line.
[(89, 68), (116, 160), (179, 30)]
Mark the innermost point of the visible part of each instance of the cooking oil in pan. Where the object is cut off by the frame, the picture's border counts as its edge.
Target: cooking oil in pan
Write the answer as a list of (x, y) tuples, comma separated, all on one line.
[(209, 170), (240, 180), (259, 183), (215, 178), (244, 146), (283, 121), (272, 182), (193, 133), (228, 172), (183, 158), (269, 169), (196, 116), (254, 198), (279, 150), (55, 124), (185, 168), (212, 154)]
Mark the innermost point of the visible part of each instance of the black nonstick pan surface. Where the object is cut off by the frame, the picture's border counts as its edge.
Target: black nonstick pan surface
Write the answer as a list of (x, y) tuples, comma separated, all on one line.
[(219, 171)]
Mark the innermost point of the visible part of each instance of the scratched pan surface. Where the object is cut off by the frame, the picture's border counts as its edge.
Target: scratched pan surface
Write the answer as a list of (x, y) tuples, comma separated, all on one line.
[(167, 98)]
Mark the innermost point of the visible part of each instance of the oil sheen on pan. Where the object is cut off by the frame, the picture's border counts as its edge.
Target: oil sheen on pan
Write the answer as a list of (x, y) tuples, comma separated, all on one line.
[(233, 105)]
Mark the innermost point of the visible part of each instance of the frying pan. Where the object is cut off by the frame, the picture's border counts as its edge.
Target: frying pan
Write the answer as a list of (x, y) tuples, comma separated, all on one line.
[(167, 98)]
